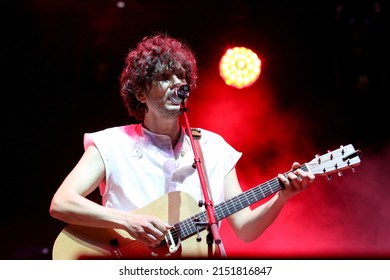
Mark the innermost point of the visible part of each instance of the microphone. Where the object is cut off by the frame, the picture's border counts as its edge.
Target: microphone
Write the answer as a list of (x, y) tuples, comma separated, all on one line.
[(178, 94)]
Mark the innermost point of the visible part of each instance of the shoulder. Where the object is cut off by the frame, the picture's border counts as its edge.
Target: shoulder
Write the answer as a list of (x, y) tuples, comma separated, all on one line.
[(208, 135), (111, 134), (212, 140), (130, 129)]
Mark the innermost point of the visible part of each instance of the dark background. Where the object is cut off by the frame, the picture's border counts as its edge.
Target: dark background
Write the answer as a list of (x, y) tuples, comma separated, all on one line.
[(324, 83)]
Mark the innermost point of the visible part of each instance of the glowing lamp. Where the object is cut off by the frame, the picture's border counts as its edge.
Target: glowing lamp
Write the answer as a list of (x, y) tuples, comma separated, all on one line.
[(239, 67)]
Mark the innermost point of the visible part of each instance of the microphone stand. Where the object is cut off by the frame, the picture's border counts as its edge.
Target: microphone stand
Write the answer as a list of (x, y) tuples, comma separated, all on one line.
[(208, 203)]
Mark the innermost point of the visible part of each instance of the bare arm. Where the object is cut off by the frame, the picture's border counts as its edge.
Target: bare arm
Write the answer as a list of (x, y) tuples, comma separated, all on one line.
[(249, 224), (70, 204)]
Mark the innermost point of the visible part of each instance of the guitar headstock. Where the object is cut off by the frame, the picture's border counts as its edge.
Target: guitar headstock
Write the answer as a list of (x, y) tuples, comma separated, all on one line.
[(346, 157)]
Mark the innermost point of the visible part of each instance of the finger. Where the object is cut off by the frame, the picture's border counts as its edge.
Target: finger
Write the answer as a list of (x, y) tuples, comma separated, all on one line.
[(158, 229), (160, 225), (307, 177), (168, 226), (154, 234), (151, 239), (295, 165), (284, 180), (295, 181)]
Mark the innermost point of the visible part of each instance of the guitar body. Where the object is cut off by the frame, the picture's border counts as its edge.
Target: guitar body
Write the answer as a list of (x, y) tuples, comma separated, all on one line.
[(80, 242)]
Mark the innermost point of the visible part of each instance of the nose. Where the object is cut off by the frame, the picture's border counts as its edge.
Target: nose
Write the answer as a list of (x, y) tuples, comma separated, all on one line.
[(176, 81)]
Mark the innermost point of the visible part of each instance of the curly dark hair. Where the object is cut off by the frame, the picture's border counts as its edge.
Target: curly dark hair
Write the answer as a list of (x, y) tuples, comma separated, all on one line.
[(153, 57)]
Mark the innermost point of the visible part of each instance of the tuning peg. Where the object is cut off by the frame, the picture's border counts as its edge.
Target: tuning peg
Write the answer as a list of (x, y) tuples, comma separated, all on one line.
[(342, 149), (318, 157), (329, 177), (330, 154)]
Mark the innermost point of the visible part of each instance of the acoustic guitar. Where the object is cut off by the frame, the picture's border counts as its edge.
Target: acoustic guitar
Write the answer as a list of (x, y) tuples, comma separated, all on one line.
[(188, 238)]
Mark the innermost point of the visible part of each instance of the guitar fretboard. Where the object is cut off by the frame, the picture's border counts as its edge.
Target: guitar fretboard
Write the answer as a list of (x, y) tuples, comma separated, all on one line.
[(198, 222)]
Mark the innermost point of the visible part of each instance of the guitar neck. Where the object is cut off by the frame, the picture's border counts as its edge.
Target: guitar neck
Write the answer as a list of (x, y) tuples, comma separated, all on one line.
[(198, 222)]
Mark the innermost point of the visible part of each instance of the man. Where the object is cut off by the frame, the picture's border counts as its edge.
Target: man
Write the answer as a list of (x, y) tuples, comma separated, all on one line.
[(133, 165)]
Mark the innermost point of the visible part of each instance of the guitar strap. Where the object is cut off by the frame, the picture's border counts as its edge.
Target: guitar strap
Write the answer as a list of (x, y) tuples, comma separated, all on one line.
[(197, 135)]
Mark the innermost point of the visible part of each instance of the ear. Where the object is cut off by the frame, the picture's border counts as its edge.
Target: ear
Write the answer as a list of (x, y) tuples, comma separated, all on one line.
[(141, 97)]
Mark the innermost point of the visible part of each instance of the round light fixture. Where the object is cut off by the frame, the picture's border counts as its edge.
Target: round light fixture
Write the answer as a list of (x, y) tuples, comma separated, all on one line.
[(239, 67)]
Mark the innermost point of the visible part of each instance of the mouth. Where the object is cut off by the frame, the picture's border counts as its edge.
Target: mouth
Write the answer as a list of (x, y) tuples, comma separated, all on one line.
[(173, 101)]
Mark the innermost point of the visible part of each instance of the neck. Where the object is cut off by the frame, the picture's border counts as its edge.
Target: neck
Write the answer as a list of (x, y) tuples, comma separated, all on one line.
[(172, 128)]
